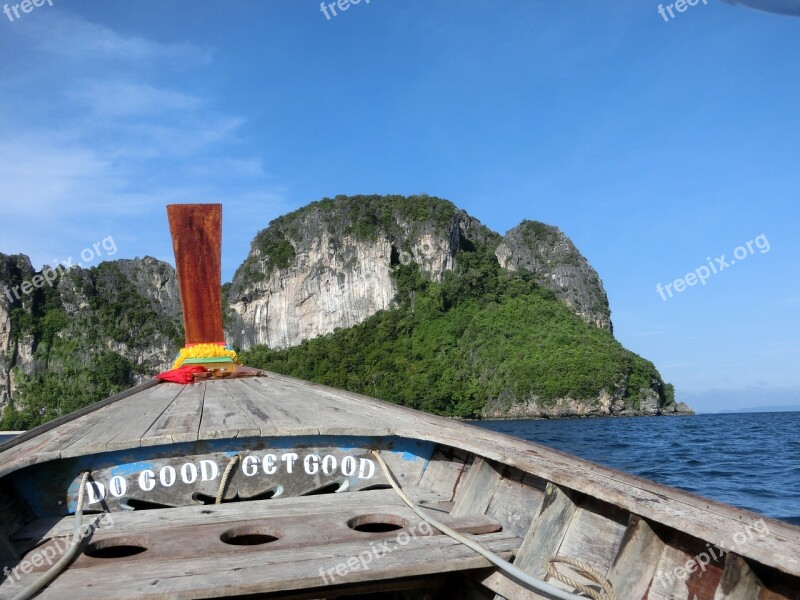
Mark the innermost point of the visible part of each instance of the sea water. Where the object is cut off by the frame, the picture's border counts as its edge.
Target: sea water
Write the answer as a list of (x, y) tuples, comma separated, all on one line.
[(748, 460)]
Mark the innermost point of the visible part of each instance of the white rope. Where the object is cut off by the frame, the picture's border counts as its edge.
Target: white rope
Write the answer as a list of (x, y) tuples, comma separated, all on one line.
[(53, 571), (585, 569), (223, 484), (515, 572)]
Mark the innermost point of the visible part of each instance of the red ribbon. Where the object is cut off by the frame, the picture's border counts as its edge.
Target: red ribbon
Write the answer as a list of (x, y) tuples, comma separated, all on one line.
[(184, 374)]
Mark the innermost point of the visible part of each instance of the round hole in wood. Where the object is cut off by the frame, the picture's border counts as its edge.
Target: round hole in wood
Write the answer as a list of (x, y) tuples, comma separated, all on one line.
[(250, 535), (117, 547), (377, 523)]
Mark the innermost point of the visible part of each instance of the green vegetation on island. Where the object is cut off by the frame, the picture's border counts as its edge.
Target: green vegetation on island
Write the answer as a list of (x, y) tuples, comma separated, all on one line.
[(78, 358), (483, 336)]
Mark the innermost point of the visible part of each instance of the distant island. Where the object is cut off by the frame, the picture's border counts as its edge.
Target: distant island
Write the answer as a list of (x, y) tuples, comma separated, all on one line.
[(408, 299), (757, 409)]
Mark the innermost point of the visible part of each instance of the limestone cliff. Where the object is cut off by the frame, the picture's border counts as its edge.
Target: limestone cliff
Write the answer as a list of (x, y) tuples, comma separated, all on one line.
[(129, 307), (333, 265), (13, 349), (87, 333), (558, 265), (329, 265)]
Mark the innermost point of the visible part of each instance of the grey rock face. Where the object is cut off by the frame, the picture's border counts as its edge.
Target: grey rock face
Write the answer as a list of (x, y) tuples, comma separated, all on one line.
[(550, 255), (679, 409), (149, 278), (13, 271), (155, 280), (317, 270), (607, 405)]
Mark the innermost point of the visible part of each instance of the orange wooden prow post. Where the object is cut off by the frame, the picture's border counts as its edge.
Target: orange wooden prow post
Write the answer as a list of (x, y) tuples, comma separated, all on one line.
[(197, 240)]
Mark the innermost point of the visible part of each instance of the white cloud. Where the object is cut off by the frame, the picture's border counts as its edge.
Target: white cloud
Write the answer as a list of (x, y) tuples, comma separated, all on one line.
[(94, 143), (68, 37), (116, 99)]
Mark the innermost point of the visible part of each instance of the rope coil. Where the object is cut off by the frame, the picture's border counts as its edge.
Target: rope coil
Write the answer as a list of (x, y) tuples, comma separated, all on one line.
[(587, 571)]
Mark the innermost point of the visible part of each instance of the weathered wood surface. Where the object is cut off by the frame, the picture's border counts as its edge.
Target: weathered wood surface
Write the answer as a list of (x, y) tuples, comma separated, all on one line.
[(516, 503), (197, 241), (267, 571), (313, 534), (592, 538), (377, 501), (635, 564), (475, 494), (671, 580), (180, 421), (547, 532), (115, 431), (738, 582), (705, 519), (281, 405), (443, 473), (294, 408), (224, 412)]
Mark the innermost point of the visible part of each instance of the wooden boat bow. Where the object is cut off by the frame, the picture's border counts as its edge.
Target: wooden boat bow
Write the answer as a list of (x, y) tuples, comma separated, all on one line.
[(306, 511)]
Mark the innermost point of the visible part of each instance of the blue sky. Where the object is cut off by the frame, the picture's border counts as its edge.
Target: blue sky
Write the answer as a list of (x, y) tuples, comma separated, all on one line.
[(652, 144)]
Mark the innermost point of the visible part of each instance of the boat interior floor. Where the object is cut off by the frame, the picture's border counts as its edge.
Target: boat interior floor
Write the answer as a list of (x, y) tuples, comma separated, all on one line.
[(348, 543)]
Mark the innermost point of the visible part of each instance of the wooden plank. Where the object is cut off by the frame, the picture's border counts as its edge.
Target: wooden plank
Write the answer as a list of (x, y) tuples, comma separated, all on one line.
[(170, 541), (180, 421), (738, 582), (515, 504), (669, 582), (122, 425), (45, 447), (374, 413), (262, 571), (274, 412), (224, 415), (379, 500), (442, 474), (475, 493), (63, 423), (503, 587), (372, 501), (635, 563), (327, 412), (592, 538), (311, 526), (547, 532)]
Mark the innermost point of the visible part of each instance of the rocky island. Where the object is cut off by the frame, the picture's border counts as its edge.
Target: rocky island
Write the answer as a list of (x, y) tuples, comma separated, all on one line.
[(409, 299)]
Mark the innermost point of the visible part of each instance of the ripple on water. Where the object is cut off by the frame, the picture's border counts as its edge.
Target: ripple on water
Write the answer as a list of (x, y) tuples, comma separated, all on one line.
[(749, 460)]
